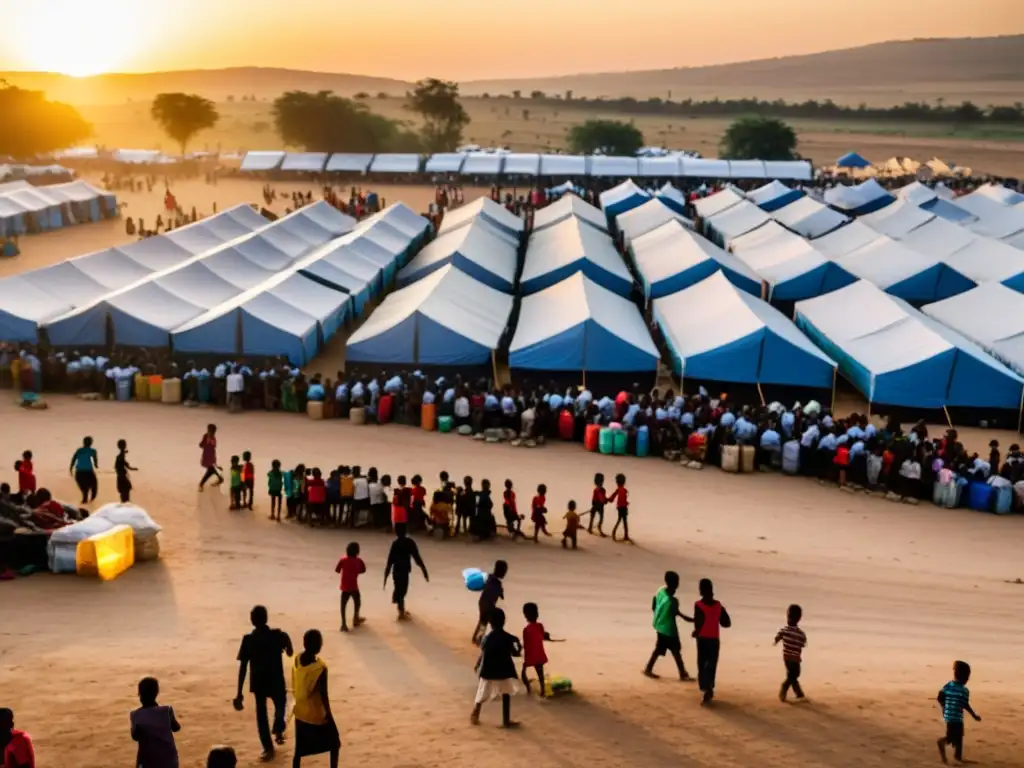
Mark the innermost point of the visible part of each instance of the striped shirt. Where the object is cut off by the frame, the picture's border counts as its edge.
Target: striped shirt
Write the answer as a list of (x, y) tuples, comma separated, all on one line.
[(953, 697), (793, 642)]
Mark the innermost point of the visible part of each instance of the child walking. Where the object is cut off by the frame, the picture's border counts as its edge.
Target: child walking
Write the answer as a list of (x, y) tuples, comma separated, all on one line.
[(538, 512), (597, 501), (248, 479), (153, 727), (665, 607), (620, 497), (350, 567), (121, 470), (954, 698), (534, 655), (572, 525), (497, 669), (793, 642), (493, 591), (236, 483), (709, 616), (275, 485), (513, 520)]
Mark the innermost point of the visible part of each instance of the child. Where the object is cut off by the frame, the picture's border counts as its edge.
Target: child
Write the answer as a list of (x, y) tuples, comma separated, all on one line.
[(954, 698), (316, 497), (360, 498), (275, 484), (441, 514), (400, 503), (465, 505), (572, 525), (26, 475), (620, 497), (597, 501), (709, 616), (347, 491), (497, 669), (236, 483), (665, 606), (297, 499), (534, 656), (153, 727), (513, 520), (793, 642), (419, 503), (493, 591), (350, 567), (334, 496), (248, 479), (121, 469), (538, 510), (485, 526)]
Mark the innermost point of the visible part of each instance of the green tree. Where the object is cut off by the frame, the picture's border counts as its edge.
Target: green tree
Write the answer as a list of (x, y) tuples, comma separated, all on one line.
[(444, 118), (968, 112), (326, 122), (183, 115), (758, 138), (31, 125), (612, 137)]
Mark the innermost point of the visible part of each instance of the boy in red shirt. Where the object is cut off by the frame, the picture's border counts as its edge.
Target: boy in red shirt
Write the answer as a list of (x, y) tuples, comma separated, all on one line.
[(401, 503), (350, 567), (620, 497), (17, 751), (26, 474), (419, 503), (597, 502), (316, 497), (709, 616), (248, 480), (538, 509), (534, 655), (511, 511)]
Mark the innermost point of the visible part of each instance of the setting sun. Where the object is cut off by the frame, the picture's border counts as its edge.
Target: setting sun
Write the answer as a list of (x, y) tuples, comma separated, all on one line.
[(76, 38)]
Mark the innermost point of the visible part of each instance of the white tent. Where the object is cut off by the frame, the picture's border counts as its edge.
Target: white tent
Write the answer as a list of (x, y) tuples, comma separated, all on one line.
[(704, 168), (659, 167), (262, 161), (24, 307), (476, 249), (614, 166), (992, 316), (718, 202), (496, 215), (559, 251), (747, 169), (647, 217), (445, 162), (994, 219), (1001, 194), (565, 207), (938, 238), (397, 163), (774, 195), (401, 217), (897, 219), (860, 198), (790, 170), (736, 221), (562, 165), (809, 218), (342, 162), (672, 197), (904, 272), (985, 260), (522, 164), (483, 164), (623, 197), (307, 162)]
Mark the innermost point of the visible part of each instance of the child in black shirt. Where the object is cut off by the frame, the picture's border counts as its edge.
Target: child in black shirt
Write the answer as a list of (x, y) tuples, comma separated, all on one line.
[(497, 670)]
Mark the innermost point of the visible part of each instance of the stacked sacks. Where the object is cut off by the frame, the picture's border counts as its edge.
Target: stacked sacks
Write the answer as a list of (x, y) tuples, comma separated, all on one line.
[(63, 546)]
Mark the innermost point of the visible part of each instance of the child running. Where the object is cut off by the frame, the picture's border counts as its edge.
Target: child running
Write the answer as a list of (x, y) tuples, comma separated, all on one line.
[(709, 616), (534, 655), (26, 475), (493, 591), (954, 698), (153, 727), (236, 483), (513, 520), (665, 606), (121, 470), (572, 525), (597, 501), (793, 642), (275, 485), (248, 480), (497, 670), (620, 497), (350, 567), (538, 512)]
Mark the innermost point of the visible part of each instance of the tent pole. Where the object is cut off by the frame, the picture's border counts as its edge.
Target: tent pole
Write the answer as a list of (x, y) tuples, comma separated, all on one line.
[(494, 369), (760, 394), (584, 379), (948, 420), (833, 409)]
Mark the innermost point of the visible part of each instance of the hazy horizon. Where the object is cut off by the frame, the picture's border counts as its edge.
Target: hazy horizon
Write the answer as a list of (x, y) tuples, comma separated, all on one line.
[(409, 40)]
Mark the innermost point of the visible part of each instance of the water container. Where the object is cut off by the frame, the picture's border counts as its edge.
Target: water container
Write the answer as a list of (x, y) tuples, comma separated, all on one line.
[(357, 416), (791, 457), (444, 424), (747, 458), (605, 441), (123, 389), (620, 438), (171, 391), (203, 390), (315, 409), (591, 437), (730, 458), (384, 409), (156, 388), (1004, 500), (643, 441), (474, 579), (428, 416), (566, 423), (979, 497), (141, 387)]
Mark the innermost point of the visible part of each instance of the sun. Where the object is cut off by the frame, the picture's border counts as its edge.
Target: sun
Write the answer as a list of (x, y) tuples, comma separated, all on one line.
[(78, 38)]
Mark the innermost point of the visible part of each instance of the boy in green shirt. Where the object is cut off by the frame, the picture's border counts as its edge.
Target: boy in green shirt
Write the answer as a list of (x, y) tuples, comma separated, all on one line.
[(236, 483), (275, 484), (666, 608)]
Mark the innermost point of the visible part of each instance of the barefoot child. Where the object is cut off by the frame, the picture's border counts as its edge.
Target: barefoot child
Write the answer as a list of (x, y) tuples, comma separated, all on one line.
[(275, 485), (534, 655), (511, 511), (350, 567), (153, 727), (248, 479), (538, 512), (620, 497), (493, 591), (572, 525), (497, 669), (121, 470), (709, 616), (236, 483), (665, 606), (954, 698), (597, 501), (793, 642), (401, 556)]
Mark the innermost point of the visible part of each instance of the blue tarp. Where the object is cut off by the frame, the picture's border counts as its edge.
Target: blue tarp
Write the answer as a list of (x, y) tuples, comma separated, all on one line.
[(852, 160)]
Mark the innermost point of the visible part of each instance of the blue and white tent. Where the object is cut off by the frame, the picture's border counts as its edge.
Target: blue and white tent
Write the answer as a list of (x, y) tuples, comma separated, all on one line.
[(718, 202), (992, 316), (496, 215), (949, 211), (24, 307), (336, 266), (792, 268), (672, 258), (45, 210), (774, 195), (860, 198), (1001, 194), (445, 319), (559, 251), (624, 197), (716, 332), (87, 202), (404, 219), (897, 220), (735, 221), (995, 219), (476, 249), (938, 238), (895, 355), (672, 197), (844, 240), (569, 206), (852, 160), (380, 247), (985, 260), (937, 201), (905, 273), (577, 325), (809, 218), (647, 217), (12, 218)]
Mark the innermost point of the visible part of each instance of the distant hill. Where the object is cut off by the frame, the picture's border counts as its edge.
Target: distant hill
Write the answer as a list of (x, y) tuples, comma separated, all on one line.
[(884, 73), (217, 84)]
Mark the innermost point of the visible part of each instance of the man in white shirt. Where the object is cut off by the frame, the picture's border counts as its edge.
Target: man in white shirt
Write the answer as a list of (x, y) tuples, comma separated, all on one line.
[(235, 388)]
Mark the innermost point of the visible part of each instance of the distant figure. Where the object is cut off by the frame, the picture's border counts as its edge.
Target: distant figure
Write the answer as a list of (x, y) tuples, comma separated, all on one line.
[(400, 559)]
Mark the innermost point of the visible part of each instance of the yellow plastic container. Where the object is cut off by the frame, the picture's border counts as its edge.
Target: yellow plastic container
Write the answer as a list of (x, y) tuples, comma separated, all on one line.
[(141, 387), (156, 388), (171, 391), (106, 555), (315, 409)]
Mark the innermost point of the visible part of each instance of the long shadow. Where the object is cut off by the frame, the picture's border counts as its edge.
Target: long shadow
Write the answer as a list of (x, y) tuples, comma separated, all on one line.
[(385, 664)]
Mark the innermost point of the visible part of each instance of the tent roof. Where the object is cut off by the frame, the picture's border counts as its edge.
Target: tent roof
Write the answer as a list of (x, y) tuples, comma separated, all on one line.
[(916, 193), (704, 168), (262, 161), (614, 166), (350, 162), (986, 260), (401, 217), (718, 202), (991, 315), (938, 238), (885, 262), (574, 301), (673, 248), (445, 162), (563, 165), (1001, 194), (791, 170), (477, 243), (647, 217), (738, 220), (567, 242), (852, 160), (669, 192), (994, 219), (768, 192), (483, 164), (658, 167), (522, 164), (747, 169), (809, 218), (850, 198), (482, 206), (898, 219), (22, 299), (779, 255), (395, 163), (569, 205), (620, 193), (310, 162)]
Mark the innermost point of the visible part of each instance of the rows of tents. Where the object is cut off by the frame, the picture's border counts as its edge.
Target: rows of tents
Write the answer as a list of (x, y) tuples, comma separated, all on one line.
[(25, 208), (232, 284)]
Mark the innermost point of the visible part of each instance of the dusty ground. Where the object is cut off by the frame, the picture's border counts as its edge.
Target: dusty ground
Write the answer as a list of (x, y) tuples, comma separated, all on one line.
[(892, 595)]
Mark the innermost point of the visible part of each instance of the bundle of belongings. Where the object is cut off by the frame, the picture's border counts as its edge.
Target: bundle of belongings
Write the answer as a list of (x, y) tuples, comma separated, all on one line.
[(63, 545), (26, 524)]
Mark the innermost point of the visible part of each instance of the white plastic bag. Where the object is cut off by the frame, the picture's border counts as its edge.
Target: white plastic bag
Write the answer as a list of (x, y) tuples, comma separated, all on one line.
[(142, 525)]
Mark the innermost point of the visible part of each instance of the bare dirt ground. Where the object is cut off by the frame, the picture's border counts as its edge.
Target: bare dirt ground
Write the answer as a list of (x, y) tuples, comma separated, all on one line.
[(892, 595)]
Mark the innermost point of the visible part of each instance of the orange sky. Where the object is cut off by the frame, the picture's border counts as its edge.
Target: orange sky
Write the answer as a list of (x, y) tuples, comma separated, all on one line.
[(463, 39)]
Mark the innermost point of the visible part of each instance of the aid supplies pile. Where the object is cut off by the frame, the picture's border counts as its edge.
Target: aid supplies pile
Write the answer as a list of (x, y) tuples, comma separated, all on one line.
[(63, 548)]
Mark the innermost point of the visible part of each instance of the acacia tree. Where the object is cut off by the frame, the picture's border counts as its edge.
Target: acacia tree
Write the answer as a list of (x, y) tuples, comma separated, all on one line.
[(326, 122), (444, 118), (758, 138), (31, 125), (611, 137), (183, 115)]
